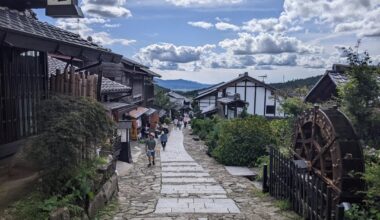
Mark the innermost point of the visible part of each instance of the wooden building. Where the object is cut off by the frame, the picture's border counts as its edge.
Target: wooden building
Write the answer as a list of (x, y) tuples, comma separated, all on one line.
[(134, 75), (326, 87), (181, 103), (24, 46), (229, 99)]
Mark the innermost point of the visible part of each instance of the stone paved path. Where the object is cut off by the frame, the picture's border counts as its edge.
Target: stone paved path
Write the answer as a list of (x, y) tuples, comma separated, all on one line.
[(189, 188), (187, 184)]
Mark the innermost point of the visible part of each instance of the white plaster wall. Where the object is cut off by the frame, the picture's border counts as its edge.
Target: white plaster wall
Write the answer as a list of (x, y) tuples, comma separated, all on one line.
[(260, 100), (251, 99)]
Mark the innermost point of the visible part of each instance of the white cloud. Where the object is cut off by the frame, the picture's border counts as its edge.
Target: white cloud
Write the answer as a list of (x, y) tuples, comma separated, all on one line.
[(201, 24), (203, 3), (263, 43), (81, 27), (159, 55), (260, 25), (106, 8), (312, 62), (277, 60), (224, 26), (111, 25), (105, 39), (361, 16)]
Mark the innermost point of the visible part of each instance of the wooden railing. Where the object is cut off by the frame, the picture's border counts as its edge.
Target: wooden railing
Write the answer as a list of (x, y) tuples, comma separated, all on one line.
[(307, 194), (74, 84)]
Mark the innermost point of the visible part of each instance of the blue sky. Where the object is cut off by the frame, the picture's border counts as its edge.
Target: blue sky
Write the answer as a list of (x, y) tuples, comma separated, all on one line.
[(215, 40)]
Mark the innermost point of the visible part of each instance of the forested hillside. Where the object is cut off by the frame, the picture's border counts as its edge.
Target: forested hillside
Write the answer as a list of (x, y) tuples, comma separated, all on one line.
[(298, 83)]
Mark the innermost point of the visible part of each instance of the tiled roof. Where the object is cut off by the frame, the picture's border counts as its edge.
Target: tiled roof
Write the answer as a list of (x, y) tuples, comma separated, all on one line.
[(114, 105), (150, 72), (338, 78), (137, 113), (54, 64), (151, 111), (161, 113), (22, 30), (109, 86), (225, 84), (178, 96)]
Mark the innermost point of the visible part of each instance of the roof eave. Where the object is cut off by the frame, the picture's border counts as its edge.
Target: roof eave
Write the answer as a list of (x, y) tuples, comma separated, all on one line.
[(17, 39)]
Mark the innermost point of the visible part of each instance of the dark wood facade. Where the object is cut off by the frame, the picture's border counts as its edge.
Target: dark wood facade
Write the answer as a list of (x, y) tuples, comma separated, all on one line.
[(23, 84)]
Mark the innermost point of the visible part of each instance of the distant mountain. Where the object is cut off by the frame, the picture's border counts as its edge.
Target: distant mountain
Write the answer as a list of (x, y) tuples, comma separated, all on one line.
[(298, 83), (181, 84)]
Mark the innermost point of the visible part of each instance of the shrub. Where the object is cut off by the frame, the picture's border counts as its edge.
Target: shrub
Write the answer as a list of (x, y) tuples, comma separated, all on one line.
[(282, 131), (70, 130), (167, 120), (243, 141), (213, 137), (203, 127)]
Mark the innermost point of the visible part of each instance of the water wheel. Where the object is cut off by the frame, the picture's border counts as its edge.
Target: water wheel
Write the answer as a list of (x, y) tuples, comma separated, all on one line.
[(327, 142)]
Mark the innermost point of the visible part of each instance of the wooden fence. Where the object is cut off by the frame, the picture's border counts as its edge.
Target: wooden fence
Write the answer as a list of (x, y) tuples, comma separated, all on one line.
[(308, 195), (74, 84)]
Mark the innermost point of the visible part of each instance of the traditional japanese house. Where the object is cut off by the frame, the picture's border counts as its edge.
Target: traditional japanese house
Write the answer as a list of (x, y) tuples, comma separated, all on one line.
[(326, 87), (230, 98), (180, 102), (134, 75), (24, 46)]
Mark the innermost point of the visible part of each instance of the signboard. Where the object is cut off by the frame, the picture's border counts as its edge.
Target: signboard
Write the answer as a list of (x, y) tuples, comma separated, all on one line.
[(63, 9), (124, 125)]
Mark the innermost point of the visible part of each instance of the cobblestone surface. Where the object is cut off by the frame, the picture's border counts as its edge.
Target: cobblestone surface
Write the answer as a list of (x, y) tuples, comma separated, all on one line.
[(187, 184)]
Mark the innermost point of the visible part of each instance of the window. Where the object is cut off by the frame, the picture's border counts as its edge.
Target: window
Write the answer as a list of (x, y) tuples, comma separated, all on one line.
[(270, 109)]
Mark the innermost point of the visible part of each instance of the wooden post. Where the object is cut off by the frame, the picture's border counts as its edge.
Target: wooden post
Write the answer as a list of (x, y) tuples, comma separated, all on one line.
[(72, 81), (270, 170), (265, 178), (99, 85), (52, 83), (339, 213), (66, 86), (328, 203)]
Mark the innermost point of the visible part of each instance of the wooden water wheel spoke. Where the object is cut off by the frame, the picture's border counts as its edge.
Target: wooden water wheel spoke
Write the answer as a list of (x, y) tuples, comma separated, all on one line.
[(322, 151), (322, 139)]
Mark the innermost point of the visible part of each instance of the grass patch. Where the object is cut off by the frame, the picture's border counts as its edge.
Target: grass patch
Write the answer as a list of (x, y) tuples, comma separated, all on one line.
[(108, 210), (259, 193), (37, 206), (283, 205)]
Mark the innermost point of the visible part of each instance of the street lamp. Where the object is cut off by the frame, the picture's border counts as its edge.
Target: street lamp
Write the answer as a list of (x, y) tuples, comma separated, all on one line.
[(124, 127)]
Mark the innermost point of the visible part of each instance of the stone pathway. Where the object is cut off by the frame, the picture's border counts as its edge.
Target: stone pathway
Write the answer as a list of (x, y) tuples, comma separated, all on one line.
[(187, 184)]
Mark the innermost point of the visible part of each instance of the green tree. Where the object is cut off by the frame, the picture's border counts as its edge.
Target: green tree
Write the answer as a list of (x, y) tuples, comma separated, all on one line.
[(162, 100), (360, 96), (294, 106)]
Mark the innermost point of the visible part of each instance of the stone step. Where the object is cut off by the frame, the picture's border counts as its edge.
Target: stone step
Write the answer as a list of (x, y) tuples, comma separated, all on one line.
[(188, 180), (196, 205), (182, 169), (192, 189), (187, 174), (179, 164)]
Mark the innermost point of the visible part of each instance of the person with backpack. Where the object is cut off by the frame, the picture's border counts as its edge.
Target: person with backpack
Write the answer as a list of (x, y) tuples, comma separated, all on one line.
[(163, 139)]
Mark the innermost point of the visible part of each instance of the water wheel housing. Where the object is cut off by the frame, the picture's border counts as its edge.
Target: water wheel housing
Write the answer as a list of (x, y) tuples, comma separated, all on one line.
[(327, 142)]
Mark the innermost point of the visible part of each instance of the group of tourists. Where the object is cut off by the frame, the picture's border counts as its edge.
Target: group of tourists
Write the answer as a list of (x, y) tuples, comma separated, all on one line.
[(181, 122), (161, 132)]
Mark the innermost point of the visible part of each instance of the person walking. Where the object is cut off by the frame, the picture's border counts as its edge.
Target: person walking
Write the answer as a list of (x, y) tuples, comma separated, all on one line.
[(175, 122), (163, 139), (179, 125), (150, 148)]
